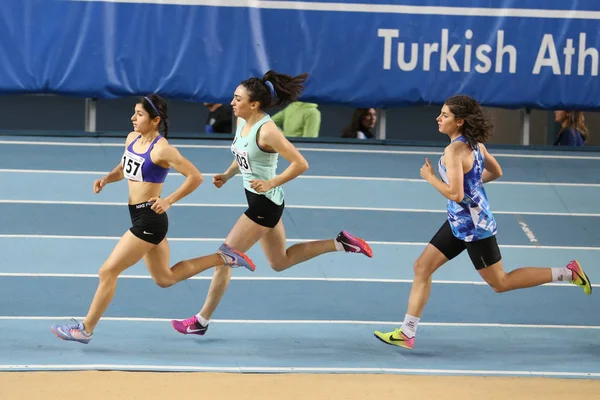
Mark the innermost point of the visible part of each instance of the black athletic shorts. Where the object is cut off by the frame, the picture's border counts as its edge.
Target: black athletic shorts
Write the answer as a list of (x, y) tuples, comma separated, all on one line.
[(147, 224), (262, 210), (483, 253)]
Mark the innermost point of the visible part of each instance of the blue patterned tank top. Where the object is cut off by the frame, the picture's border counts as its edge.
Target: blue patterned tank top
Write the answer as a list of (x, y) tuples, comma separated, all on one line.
[(471, 219)]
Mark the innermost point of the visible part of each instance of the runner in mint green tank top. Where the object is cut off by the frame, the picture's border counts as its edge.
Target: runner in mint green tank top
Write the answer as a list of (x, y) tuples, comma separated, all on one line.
[(255, 163), (256, 147)]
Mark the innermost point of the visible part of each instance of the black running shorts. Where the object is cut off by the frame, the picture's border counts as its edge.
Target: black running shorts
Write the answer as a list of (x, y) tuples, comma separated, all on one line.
[(262, 210), (147, 224), (483, 253)]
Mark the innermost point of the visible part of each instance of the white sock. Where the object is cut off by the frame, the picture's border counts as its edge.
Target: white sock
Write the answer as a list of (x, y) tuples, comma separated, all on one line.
[(338, 246), (563, 274), (409, 326), (202, 320)]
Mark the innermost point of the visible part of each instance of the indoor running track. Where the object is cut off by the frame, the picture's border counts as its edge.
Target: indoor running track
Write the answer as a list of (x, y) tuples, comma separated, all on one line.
[(315, 317)]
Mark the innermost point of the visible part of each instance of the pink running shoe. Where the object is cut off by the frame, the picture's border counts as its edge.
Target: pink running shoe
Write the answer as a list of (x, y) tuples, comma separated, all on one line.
[(352, 244), (190, 326), (579, 277)]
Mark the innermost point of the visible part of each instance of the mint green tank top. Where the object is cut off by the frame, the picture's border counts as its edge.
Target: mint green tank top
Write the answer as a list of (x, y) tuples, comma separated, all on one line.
[(254, 162)]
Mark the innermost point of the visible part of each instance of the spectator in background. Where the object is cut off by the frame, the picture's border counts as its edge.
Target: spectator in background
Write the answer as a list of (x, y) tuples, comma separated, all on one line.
[(362, 125), (573, 131), (299, 119), (219, 118)]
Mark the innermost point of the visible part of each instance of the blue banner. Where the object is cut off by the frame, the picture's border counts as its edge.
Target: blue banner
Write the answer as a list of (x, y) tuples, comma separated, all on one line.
[(505, 53)]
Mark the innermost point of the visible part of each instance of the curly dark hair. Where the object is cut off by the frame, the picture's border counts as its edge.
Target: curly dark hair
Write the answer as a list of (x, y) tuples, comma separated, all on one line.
[(477, 127), (286, 88)]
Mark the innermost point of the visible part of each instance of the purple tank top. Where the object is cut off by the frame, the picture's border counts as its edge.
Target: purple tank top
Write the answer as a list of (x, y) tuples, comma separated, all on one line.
[(139, 167)]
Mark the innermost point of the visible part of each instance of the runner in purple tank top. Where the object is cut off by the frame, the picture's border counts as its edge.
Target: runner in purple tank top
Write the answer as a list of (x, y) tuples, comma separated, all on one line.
[(145, 163)]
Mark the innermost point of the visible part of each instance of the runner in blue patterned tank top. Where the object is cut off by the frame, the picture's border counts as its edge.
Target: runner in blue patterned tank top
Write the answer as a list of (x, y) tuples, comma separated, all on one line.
[(146, 161), (464, 168), (471, 219)]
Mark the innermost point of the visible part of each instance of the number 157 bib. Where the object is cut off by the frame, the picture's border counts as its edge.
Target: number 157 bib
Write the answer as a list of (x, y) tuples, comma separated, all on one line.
[(132, 166)]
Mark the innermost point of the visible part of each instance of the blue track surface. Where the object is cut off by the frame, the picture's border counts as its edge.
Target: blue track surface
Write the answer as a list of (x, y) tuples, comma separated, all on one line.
[(315, 317)]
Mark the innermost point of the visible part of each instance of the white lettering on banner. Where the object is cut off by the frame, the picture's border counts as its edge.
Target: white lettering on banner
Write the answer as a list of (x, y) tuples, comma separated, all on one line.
[(547, 46), (447, 57), (387, 35), (501, 50), (455, 57), (583, 55), (482, 55), (414, 57), (548, 57), (429, 49), (463, 56), (467, 64)]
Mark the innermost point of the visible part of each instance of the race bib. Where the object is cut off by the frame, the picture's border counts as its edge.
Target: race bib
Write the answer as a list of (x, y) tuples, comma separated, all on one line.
[(241, 157), (132, 166)]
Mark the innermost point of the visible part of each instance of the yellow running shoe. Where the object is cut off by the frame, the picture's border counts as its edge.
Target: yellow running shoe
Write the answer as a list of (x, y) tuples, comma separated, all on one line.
[(396, 338), (579, 277)]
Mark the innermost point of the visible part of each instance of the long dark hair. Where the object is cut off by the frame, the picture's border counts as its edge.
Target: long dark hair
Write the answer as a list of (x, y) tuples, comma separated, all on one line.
[(285, 88), (477, 127), (357, 125), (157, 107)]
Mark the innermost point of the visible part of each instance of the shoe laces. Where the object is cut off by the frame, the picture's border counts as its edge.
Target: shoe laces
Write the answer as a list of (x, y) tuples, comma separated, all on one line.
[(190, 321), (76, 326)]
